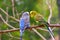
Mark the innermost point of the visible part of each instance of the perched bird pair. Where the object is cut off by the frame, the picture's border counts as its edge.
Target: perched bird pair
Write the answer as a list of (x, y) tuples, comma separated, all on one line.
[(25, 21)]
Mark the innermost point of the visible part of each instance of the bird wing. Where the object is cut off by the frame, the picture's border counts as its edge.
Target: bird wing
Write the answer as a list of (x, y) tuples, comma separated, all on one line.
[(22, 23)]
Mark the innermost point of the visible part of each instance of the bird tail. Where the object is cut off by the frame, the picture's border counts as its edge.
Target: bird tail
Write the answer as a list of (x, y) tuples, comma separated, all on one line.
[(48, 27), (50, 31), (21, 34), (20, 37)]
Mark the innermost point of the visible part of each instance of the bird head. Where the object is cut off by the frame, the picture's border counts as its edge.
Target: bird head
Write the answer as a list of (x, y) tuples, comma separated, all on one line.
[(36, 15), (33, 13), (25, 14)]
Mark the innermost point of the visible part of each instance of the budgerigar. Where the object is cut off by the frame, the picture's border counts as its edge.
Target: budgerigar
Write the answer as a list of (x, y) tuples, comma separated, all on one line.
[(39, 18), (24, 23)]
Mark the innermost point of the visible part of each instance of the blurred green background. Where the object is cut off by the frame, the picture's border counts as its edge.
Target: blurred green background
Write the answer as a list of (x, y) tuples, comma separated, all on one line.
[(27, 5)]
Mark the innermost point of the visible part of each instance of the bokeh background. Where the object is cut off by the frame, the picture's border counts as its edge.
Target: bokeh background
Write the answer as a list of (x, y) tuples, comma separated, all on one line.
[(15, 8)]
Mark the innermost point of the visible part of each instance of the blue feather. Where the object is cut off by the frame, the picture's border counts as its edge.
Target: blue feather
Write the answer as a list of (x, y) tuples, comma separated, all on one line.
[(22, 23)]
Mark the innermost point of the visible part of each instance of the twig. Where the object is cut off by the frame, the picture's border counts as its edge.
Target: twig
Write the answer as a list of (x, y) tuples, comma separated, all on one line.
[(17, 14), (3, 11), (38, 34), (14, 18), (10, 35), (55, 27), (13, 7), (50, 8), (6, 22), (9, 15), (43, 29), (48, 3)]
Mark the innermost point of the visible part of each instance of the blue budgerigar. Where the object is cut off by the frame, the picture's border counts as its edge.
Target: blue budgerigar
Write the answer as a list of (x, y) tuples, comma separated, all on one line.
[(24, 23)]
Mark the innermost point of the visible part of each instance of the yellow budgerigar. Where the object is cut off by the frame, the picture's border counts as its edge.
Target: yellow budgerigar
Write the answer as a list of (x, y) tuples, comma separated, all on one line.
[(38, 17)]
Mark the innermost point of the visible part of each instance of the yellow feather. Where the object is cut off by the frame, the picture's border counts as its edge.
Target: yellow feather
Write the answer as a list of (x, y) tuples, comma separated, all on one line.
[(33, 13)]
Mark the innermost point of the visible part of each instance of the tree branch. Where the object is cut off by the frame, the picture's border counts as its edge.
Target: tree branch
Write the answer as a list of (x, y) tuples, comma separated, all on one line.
[(36, 27), (49, 18), (39, 34), (6, 22), (9, 15)]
